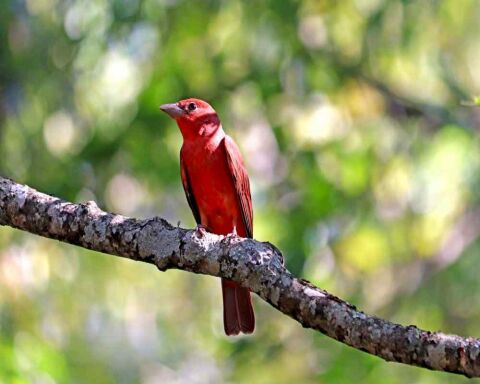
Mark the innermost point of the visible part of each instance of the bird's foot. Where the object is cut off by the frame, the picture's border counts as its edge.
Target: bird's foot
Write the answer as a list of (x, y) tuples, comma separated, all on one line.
[(232, 234), (200, 230)]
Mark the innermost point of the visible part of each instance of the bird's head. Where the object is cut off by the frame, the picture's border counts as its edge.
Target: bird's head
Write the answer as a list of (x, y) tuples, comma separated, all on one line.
[(195, 118)]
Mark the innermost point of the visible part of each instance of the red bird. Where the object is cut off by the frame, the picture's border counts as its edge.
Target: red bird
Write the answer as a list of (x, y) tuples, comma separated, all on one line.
[(218, 191)]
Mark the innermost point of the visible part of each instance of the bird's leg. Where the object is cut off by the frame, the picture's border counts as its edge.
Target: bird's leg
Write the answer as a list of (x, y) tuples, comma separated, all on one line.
[(232, 234), (201, 230)]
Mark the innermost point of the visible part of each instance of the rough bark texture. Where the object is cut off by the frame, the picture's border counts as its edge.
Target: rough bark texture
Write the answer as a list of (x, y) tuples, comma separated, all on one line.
[(256, 265)]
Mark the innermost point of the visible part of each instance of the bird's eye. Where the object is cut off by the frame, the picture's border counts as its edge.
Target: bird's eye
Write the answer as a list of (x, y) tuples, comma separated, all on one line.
[(191, 107)]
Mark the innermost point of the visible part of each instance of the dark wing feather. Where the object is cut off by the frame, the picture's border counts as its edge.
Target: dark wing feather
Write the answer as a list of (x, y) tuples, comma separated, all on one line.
[(188, 191), (241, 182)]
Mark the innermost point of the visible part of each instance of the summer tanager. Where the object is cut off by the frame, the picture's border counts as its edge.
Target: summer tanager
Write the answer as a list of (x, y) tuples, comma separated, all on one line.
[(218, 191)]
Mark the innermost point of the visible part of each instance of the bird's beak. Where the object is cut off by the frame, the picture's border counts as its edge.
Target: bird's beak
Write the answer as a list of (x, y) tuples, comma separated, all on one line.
[(172, 110)]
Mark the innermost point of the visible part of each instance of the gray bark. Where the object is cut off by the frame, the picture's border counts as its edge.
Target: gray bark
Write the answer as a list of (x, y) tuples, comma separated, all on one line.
[(256, 265)]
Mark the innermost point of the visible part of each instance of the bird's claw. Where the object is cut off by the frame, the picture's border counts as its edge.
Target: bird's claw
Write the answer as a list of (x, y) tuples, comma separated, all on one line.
[(200, 230), (232, 234)]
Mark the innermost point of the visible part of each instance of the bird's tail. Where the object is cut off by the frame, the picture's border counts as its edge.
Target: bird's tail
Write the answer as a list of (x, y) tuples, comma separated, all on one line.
[(238, 313)]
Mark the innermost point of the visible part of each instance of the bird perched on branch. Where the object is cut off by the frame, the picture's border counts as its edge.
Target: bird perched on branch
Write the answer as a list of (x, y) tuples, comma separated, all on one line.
[(218, 191)]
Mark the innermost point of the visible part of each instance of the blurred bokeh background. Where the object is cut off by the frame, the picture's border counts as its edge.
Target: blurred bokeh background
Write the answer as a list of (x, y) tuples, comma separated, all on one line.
[(365, 170)]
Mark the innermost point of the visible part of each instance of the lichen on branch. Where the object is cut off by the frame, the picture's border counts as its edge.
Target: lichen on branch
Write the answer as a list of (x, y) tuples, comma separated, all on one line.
[(256, 265)]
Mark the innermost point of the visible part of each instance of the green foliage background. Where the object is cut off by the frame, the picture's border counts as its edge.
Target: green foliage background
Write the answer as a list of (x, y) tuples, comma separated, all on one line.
[(363, 162)]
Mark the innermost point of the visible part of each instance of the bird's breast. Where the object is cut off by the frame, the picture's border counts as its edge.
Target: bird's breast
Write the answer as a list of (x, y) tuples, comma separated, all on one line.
[(213, 188)]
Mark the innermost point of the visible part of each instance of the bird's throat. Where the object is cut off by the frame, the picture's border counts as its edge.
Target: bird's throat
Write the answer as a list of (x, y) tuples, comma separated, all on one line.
[(201, 132)]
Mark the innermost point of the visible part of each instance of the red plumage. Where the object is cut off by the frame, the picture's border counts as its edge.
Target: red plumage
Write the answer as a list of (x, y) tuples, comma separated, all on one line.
[(218, 191)]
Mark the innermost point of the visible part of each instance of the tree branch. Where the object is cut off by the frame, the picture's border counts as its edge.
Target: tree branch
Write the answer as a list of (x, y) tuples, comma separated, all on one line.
[(256, 265)]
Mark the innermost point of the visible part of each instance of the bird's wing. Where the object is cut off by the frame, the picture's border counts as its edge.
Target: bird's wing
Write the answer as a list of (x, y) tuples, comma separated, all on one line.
[(188, 191), (240, 182)]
